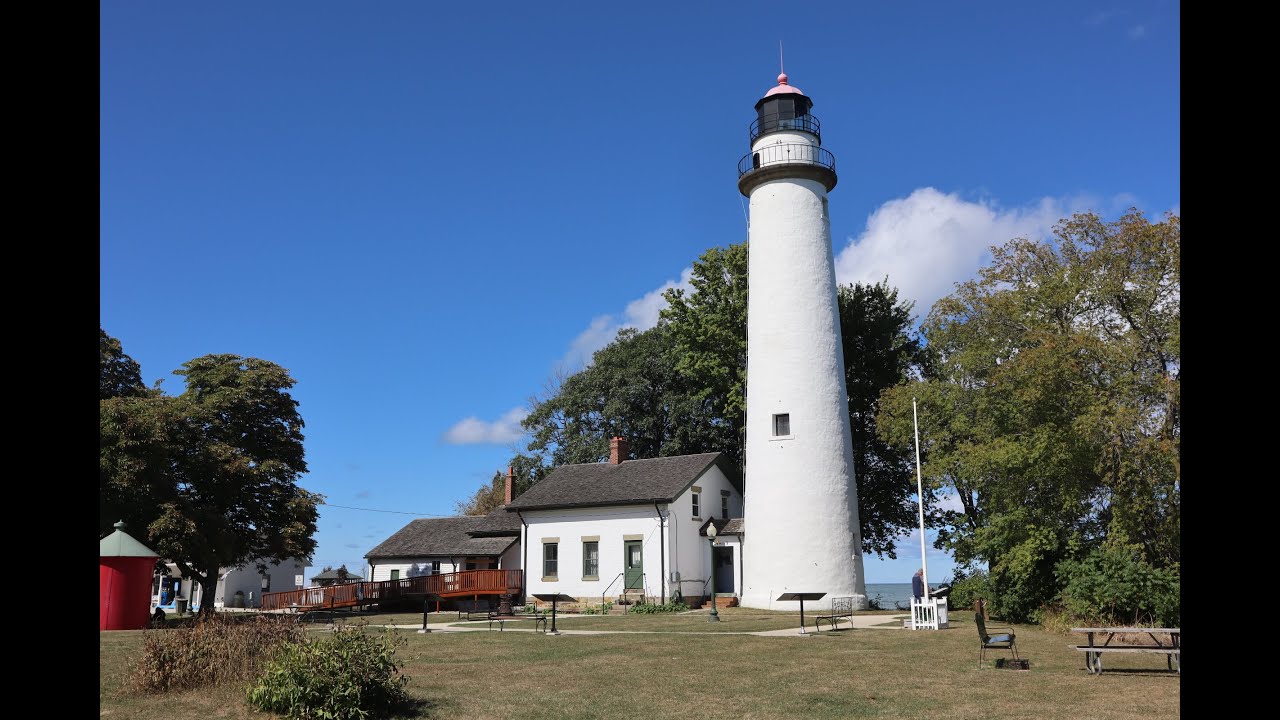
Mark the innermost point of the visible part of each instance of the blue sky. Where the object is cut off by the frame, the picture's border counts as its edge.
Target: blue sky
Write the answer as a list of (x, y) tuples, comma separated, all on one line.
[(426, 210)]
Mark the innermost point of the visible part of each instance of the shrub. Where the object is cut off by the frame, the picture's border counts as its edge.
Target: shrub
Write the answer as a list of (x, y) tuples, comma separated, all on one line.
[(214, 650), (602, 609), (652, 608), (1114, 585), (351, 674), (968, 588)]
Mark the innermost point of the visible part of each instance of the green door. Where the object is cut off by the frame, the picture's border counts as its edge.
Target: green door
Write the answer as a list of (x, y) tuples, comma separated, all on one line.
[(634, 563)]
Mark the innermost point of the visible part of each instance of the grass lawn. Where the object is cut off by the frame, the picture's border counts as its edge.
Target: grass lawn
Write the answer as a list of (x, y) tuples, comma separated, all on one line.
[(851, 673), (731, 620)]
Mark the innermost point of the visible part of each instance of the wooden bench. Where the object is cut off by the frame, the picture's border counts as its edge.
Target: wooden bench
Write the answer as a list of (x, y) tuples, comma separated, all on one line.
[(1093, 652), (841, 607)]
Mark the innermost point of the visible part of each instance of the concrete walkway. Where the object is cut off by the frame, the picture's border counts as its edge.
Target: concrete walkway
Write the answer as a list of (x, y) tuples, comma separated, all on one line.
[(857, 622)]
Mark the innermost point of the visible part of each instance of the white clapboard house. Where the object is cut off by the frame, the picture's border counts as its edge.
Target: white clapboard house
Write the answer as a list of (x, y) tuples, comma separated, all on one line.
[(622, 530)]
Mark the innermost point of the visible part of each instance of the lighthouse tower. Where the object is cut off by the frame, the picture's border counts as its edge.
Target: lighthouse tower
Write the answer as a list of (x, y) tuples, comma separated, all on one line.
[(801, 503)]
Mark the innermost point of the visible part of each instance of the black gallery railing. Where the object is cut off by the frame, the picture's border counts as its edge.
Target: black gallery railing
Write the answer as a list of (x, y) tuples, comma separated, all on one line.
[(786, 154)]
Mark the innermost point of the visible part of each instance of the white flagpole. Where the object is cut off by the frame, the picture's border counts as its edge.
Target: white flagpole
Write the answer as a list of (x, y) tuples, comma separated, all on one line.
[(920, 497)]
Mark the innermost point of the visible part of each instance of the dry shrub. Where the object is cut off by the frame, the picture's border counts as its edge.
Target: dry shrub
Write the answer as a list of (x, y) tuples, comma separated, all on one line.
[(213, 651)]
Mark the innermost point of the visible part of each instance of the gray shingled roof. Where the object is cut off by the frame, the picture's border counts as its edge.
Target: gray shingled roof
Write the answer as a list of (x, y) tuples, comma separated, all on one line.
[(497, 523), (441, 536), (333, 575), (634, 482), (731, 526)]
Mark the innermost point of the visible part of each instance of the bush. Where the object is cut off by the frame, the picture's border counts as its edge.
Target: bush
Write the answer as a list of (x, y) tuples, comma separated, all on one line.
[(966, 589), (652, 608), (352, 674), (1114, 585), (213, 650)]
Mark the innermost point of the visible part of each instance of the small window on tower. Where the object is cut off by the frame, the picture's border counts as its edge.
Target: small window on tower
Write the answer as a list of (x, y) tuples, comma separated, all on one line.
[(781, 424)]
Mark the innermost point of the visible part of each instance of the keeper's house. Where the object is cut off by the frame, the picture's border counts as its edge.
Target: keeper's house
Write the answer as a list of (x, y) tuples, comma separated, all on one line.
[(631, 528)]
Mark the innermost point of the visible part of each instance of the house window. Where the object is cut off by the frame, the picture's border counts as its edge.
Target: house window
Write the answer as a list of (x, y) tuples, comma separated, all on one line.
[(782, 424), (724, 507), (550, 560), (395, 574), (435, 567), (590, 560), (697, 505)]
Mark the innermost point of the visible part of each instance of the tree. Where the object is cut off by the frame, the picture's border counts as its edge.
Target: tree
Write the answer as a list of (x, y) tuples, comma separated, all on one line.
[(632, 389), (1053, 408), (486, 499), (528, 469), (880, 351), (118, 374), (212, 474), (708, 332), (678, 388)]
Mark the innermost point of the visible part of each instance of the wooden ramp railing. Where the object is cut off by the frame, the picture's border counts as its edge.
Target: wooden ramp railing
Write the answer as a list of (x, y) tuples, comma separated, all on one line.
[(446, 585)]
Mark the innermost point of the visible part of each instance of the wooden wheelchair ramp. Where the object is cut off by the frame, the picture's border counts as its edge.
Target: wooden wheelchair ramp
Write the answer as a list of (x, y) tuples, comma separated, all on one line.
[(469, 583)]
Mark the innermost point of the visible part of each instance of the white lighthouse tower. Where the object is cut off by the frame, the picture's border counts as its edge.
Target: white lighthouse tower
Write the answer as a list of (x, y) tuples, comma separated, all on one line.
[(801, 503)]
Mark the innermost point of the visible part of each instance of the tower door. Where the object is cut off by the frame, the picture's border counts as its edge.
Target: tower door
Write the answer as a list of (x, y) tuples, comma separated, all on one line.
[(633, 561), (723, 582)]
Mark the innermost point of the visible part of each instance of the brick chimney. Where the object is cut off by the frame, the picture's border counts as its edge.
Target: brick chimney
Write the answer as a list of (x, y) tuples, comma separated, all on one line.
[(617, 450), (511, 484)]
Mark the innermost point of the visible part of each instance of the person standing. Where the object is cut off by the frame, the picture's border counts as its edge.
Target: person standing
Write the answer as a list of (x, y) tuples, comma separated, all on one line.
[(917, 585)]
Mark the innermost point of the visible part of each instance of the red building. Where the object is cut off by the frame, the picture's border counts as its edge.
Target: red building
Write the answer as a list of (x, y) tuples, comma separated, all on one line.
[(125, 568)]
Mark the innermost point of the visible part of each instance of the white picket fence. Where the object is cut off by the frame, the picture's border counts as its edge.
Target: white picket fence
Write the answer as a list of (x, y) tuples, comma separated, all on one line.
[(929, 614)]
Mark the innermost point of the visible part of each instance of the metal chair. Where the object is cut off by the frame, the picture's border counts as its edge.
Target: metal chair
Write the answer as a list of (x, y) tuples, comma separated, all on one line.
[(1004, 641)]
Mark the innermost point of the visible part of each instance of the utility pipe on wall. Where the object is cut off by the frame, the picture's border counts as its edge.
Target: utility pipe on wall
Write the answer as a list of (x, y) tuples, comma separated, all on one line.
[(662, 551)]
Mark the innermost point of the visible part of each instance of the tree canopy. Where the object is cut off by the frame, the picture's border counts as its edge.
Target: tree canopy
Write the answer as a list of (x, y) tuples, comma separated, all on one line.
[(212, 474), (1053, 406), (678, 388), (118, 374)]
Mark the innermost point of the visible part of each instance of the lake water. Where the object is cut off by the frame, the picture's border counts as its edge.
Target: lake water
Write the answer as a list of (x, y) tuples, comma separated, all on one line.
[(891, 593)]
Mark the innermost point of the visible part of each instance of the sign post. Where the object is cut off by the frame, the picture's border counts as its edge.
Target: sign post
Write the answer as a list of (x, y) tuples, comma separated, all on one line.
[(801, 597)]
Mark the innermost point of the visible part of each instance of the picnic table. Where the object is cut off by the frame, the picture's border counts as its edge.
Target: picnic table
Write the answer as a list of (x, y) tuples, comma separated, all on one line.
[(1171, 649)]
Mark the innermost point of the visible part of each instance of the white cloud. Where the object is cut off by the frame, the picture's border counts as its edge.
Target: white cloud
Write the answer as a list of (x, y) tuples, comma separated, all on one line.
[(929, 241), (1100, 17), (949, 500), (474, 431), (640, 314)]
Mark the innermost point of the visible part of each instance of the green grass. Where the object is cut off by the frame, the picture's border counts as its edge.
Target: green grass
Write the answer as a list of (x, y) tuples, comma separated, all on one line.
[(851, 673), (731, 620)]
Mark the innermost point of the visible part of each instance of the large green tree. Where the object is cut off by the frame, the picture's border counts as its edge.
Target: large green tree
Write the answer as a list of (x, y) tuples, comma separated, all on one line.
[(708, 332), (631, 389), (118, 374), (1053, 408), (211, 474), (881, 350), (678, 388)]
